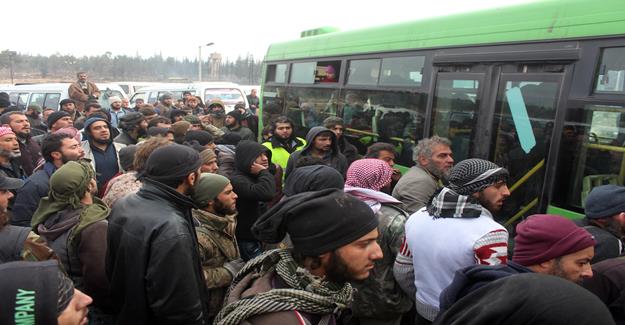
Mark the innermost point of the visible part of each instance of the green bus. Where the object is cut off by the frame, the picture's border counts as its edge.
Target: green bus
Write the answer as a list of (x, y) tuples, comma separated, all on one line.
[(538, 88)]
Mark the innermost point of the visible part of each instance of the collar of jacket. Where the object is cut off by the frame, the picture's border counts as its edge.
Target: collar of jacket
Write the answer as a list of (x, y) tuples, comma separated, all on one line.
[(213, 221), (167, 193), (49, 168)]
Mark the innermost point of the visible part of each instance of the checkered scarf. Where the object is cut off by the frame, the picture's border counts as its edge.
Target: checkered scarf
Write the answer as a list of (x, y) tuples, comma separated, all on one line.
[(373, 174), (305, 293), (467, 177)]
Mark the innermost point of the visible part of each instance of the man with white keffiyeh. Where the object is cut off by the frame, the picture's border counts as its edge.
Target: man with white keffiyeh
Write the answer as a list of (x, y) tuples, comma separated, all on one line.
[(456, 229)]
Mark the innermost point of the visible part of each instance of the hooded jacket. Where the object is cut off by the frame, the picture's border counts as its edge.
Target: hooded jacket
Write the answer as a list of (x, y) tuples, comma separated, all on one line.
[(528, 299), (254, 191), (152, 260), (334, 159)]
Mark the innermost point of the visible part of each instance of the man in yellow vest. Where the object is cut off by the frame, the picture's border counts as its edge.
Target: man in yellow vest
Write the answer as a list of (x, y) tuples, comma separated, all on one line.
[(283, 141)]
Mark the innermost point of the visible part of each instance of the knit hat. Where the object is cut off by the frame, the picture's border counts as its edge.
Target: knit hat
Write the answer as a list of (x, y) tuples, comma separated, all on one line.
[(193, 119), (35, 291), (473, 175), (332, 121), (207, 188), (52, 118), (216, 102), (373, 174), (66, 101), (171, 162), (542, 237), (312, 178), (156, 131), (165, 96), (317, 222), (605, 201), (207, 155), (130, 121), (127, 156), (236, 114), (4, 130), (180, 128), (113, 99), (202, 137), (4, 100)]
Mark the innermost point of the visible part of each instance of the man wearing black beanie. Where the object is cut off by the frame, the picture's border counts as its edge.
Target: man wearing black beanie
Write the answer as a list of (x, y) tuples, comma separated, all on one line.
[(334, 241), (233, 125), (152, 259)]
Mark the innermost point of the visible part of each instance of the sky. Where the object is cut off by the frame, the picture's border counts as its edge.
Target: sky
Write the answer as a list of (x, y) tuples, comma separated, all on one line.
[(178, 28)]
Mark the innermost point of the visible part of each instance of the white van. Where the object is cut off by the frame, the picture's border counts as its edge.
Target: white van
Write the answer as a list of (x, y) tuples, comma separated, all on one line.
[(229, 93), (49, 95), (131, 87)]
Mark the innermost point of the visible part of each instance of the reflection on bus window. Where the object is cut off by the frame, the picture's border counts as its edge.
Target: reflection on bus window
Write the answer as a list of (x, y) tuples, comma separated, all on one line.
[(402, 71), (591, 153), (363, 72), (394, 117), (455, 114), (611, 73), (309, 107), (303, 73), (273, 103)]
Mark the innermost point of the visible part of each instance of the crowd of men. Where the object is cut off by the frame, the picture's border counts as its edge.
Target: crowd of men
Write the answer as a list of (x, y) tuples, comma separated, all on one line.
[(165, 214)]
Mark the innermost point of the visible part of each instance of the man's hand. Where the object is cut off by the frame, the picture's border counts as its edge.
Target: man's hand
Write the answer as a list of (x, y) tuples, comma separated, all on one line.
[(257, 168)]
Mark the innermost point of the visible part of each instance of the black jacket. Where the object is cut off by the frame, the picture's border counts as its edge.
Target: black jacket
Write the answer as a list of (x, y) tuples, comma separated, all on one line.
[(152, 260), (334, 159), (254, 191), (27, 197)]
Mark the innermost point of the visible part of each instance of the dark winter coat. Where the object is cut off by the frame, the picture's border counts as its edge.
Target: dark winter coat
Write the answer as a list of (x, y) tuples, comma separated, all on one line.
[(334, 159), (152, 261), (254, 191), (28, 196)]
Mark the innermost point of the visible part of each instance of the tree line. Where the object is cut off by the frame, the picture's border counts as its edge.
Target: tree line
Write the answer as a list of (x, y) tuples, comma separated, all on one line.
[(106, 67)]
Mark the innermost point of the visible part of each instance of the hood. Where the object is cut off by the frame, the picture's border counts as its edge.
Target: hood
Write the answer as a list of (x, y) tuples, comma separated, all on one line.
[(473, 277), (313, 133), (59, 223), (246, 153), (312, 178), (226, 148)]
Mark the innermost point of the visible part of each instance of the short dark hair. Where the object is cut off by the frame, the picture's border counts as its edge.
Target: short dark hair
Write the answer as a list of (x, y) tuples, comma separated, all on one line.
[(281, 119), (91, 105), (304, 161), (202, 137), (156, 120), (374, 150), (177, 112), (6, 117), (52, 143), (147, 111)]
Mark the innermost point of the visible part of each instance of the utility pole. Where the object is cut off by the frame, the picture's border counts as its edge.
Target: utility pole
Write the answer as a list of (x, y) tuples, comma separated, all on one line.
[(199, 60)]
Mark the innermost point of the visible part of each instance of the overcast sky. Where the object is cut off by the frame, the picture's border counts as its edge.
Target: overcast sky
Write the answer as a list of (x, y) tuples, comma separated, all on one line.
[(177, 28)]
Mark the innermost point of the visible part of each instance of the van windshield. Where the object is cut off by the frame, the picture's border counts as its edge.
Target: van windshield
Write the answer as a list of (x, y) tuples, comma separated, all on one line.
[(229, 96)]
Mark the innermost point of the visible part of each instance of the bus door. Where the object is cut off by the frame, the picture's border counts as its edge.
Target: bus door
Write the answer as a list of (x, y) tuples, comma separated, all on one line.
[(455, 108), (521, 130)]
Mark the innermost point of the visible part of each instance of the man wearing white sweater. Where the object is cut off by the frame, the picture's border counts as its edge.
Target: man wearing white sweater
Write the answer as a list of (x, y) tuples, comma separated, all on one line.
[(456, 229)]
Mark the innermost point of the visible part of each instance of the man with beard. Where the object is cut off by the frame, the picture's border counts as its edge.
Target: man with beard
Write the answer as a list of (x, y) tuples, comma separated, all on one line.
[(283, 141), (605, 220), (133, 126), (233, 125), (116, 111), (101, 150), (82, 91), (30, 151), (73, 222), (152, 260), (433, 160), (9, 154), (57, 149), (456, 229), (214, 196), (55, 122), (334, 241), (33, 112), (165, 105), (216, 113), (337, 126), (322, 144), (69, 106)]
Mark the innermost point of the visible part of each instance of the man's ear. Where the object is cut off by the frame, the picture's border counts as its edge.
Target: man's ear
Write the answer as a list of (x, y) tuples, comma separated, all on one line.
[(56, 155), (191, 178)]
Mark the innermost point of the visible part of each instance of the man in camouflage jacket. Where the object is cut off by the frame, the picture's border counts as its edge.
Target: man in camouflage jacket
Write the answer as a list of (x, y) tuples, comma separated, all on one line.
[(217, 244)]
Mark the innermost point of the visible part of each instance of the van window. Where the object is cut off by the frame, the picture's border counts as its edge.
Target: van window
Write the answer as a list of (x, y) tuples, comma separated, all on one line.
[(153, 98), (52, 100), (22, 99), (230, 96), (37, 99)]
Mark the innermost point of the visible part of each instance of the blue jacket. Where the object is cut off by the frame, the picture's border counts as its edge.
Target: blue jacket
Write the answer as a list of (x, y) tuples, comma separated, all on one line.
[(27, 197)]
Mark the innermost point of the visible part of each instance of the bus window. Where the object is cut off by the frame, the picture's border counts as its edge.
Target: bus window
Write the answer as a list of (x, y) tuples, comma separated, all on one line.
[(455, 113), (273, 103), (303, 73), (363, 72), (37, 99), (308, 107), (402, 71), (327, 71), (52, 100), (394, 117), (611, 72), (591, 153), (276, 73)]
